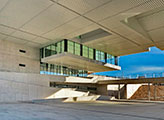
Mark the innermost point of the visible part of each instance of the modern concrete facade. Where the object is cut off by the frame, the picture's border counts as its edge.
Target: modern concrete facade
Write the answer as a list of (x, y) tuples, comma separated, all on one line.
[(16, 86), (11, 57), (68, 38)]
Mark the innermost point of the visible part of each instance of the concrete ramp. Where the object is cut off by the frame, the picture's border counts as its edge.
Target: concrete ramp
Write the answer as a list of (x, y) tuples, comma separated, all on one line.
[(66, 93)]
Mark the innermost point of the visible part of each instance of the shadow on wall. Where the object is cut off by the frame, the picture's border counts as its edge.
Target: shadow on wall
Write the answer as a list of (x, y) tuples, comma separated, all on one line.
[(66, 93), (114, 93)]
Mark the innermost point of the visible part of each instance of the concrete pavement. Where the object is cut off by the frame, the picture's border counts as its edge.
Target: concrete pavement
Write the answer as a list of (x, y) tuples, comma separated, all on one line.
[(56, 110)]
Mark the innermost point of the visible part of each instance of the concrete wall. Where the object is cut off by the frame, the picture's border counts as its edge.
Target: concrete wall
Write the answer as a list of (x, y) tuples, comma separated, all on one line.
[(131, 89), (102, 90), (10, 58), (126, 90), (68, 92), (113, 91), (25, 86)]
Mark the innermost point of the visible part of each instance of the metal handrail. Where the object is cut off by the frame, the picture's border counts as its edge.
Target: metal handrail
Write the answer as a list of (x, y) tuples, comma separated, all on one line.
[(147, 75), (136, 76)]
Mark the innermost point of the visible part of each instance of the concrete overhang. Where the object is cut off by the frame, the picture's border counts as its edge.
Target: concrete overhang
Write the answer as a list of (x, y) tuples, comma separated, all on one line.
[(116, 82), (133, 81), (79, 62)]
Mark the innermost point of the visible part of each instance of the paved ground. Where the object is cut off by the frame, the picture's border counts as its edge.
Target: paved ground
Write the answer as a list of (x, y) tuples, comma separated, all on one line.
[(55, 110)]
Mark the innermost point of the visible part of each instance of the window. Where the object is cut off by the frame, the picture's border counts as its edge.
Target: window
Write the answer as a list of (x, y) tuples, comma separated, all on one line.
[(70, 47), (90, 53), (62, 46), (98, 55), (110, 59), (77, 49), (22, 65), (58, 47), (102, 59), (85, 51), (22, 51), (48, 51), (53, 49)]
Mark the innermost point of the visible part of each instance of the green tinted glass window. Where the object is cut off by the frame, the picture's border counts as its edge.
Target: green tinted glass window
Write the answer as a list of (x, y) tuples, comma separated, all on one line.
[(62, 46), (98, 55), (102, 56), (70, 47), (53, 49), (90, 53), (47, 51), (77, 49), (58, 47), (85, 51)]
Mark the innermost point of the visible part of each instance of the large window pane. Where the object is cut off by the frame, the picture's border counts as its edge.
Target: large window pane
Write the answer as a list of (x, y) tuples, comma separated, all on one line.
[(98, 55), (90, 53), (110, 59), (47, 51), (85, 51), (70, 47), (58, 47), (62, 42), (77, 49), (53, 49), (102, 57)]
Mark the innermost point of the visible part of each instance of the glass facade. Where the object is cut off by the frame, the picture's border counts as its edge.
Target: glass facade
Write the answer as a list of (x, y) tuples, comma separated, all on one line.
[(52, 49), (73, 48), (77, 49), (52, 69)]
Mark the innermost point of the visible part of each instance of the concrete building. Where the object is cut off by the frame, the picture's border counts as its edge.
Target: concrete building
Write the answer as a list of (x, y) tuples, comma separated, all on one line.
[(44, 42)]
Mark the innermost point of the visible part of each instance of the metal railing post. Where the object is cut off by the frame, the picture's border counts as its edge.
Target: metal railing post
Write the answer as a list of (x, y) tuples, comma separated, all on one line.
[(149, 94)]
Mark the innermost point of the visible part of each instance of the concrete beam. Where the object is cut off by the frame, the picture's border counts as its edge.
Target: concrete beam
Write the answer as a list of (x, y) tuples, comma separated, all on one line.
[(133, 81)]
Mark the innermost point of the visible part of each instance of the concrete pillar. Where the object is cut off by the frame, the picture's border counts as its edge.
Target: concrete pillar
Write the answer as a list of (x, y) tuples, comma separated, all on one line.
[(119, 92), (102, 90), (149, 94), (125, 91), (116, 60)]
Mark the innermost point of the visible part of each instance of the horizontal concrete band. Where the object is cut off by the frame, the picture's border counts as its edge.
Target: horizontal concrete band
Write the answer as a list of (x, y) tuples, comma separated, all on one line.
[(133, 81), (121, 81), (80, 62)]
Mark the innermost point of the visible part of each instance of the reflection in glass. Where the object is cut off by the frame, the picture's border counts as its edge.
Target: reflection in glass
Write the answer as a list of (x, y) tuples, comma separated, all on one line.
[(75, 48)]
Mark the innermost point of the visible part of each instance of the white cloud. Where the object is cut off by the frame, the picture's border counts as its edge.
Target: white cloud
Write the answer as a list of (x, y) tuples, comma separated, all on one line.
[(149, 69), (155, 50)]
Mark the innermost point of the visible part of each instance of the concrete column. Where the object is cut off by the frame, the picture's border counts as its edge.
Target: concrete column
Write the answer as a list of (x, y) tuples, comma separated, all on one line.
[(102, 90), (65, 45), (119, 92), (149, 92), (125, 91), (116, 60)]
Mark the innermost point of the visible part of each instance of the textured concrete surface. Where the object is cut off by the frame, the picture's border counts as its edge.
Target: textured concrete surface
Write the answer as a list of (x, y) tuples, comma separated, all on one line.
[(10, 57), (26, 86), (55, 110)]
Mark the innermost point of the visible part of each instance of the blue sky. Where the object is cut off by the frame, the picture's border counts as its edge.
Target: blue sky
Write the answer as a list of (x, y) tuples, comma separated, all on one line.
[(140, 63)]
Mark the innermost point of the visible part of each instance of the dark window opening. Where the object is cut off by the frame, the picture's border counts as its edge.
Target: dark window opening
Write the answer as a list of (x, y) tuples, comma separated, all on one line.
[(80, 88), (22, 65), (22, 51)]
